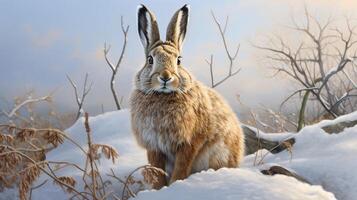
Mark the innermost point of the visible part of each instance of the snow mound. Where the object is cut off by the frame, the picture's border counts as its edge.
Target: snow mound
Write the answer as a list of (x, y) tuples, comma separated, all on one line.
[(229, 184), (323, 159)]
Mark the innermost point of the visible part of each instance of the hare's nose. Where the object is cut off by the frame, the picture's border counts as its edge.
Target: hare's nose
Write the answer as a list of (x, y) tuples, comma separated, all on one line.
[(165, 79), (165, 76)]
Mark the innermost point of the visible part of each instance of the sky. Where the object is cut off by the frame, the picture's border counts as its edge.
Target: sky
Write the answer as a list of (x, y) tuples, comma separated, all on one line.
[(42, 41)]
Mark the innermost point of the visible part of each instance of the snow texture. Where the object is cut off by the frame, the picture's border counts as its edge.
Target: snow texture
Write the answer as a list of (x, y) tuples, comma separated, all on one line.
[(329, 162), (231, 184)]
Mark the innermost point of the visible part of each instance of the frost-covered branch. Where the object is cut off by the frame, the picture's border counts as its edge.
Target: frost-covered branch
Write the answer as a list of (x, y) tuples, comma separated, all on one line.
[(29, 100), (115, 67)]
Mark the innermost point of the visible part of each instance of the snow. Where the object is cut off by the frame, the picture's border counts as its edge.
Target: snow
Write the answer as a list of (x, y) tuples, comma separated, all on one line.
[(271, 136), (344, 118), (327, 161), (232, 184), (321, 158), (332, 71), (112, 128)]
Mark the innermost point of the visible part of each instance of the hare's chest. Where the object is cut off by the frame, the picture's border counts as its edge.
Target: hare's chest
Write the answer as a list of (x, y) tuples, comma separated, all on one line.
[(153, 137)]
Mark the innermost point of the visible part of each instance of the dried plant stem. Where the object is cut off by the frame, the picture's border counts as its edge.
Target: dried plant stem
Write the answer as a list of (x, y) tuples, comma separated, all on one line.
[(90, 156), (45, 171), (131, 193), (35, 187), (44, 130), (127, 180), (258, 136), (270, 150)]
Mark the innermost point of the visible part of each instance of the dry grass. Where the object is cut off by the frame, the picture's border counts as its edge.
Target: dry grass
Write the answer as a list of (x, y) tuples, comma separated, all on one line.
[(23, 160)]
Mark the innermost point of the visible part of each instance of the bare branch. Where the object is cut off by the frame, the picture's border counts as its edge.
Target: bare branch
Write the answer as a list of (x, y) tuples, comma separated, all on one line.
[(296, 92), (85, 91), (231, 57), (350, 79), (115, 67), (29, 100)]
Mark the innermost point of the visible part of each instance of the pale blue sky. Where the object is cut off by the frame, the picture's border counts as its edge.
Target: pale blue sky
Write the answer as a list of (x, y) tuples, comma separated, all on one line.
[(42, 41)]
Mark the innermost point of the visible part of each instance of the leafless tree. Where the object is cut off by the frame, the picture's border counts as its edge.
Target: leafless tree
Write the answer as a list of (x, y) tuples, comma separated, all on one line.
[(113, 67), (80, 97), (231, 56), (317, 63)]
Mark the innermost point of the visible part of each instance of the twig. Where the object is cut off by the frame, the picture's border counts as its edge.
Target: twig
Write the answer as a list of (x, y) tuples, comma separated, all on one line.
[(90, 156), (231, 57), (131, 193), (35, 187), (86, 90)]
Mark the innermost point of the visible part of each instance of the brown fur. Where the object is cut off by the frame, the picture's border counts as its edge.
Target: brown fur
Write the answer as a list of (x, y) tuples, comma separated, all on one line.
[(186, 127)]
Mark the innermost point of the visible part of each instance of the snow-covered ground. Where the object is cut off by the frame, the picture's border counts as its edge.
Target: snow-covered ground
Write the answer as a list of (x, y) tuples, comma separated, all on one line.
[(327, 161), (231, 184)]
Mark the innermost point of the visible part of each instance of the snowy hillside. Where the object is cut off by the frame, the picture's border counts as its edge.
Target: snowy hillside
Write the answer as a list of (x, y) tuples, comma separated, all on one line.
[(327, 161)]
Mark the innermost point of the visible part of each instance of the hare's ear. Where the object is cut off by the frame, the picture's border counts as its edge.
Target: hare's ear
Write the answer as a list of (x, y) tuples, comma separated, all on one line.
[(176, 30), (147, 27)]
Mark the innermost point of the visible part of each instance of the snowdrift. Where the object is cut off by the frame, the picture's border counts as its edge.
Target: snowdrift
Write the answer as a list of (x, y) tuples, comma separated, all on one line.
[(233, 184)]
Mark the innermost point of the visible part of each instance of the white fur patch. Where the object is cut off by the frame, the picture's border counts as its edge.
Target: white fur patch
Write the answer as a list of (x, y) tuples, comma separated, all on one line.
[(151, 139), (201, 162), (218, 153)]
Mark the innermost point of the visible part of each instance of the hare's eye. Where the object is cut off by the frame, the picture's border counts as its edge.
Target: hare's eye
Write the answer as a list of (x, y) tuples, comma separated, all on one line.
[(179, 60), (150, 60)]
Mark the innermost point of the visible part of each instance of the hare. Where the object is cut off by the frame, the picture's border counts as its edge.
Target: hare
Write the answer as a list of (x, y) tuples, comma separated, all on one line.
[(185, 126)]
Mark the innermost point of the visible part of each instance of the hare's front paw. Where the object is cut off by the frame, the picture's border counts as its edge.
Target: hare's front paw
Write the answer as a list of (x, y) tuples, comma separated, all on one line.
[(172, 180), (177, 176), (161, 182)]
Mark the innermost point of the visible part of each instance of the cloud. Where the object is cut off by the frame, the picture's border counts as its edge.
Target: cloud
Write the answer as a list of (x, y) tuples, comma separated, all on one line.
[(45, 39)]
